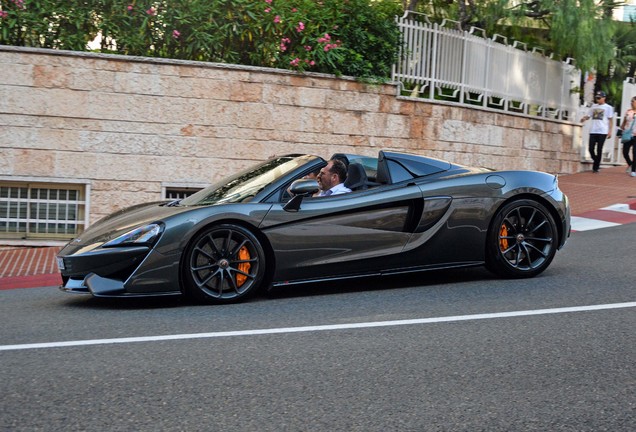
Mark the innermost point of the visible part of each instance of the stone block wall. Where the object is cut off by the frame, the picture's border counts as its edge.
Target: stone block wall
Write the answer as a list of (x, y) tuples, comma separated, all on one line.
[(129, 125)]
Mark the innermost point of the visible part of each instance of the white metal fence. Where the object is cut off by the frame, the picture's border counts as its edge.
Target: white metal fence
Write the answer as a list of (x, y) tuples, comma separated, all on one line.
[(440, 62)]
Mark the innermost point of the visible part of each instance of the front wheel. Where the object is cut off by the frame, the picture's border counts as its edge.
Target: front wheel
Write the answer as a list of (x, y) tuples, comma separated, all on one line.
[(522, 240), (223, 264)]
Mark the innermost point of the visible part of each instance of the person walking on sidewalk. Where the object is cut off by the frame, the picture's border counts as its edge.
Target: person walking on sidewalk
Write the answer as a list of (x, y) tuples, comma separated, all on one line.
[(628, 138), (601, 128)]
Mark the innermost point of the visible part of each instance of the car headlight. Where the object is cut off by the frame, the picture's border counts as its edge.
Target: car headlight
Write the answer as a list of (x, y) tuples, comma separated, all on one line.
[(145, 235)]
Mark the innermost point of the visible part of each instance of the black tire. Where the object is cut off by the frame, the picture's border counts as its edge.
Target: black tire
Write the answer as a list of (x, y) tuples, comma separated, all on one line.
[(522, 240), (223, 264)]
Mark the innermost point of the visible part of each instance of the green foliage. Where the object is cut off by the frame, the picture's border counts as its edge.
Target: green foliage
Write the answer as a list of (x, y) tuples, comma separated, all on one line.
[(66, 24), (624, 62), (610, 78), (578, 29), (349, 37)]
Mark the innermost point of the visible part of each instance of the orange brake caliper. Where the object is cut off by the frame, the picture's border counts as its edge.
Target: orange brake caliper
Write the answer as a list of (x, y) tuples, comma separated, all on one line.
[(503, 242), (243, 255)]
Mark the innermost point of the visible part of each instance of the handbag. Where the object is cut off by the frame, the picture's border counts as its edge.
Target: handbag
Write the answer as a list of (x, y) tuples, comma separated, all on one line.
[(628, 134)]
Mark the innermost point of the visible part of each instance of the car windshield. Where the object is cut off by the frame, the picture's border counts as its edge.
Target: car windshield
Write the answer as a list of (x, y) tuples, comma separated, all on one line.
[(244, 186)]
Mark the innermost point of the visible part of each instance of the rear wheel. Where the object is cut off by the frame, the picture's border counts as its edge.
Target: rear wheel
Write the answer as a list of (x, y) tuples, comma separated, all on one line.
[(522, 241), (223, 264)]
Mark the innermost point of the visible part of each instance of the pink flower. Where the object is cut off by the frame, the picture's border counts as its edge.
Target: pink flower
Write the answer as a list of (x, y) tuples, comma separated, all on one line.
[(307, 48), (330, 47), (324, 39), (300, 27), (277, 19), (295, 62), (268, 1), (294, 10), (283, 43), (130, 8), (176, 34), (310, 63), (3, 14), (152, 11), (268, 10)]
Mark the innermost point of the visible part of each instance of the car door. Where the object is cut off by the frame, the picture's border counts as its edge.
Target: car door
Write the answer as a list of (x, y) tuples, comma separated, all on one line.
[(356, 233)]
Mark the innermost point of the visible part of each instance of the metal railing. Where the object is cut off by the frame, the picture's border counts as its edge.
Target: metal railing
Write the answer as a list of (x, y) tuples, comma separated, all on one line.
[(441, 61)]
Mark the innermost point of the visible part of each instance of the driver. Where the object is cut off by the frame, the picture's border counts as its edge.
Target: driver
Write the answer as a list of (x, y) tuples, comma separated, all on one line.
[(331, 178)]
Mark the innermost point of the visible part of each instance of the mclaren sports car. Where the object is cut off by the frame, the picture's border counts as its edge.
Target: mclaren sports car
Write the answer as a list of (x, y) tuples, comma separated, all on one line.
[(264, 227)]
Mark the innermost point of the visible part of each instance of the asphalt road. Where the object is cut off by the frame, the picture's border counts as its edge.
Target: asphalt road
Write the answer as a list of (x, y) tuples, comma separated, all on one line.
[(272, 365)]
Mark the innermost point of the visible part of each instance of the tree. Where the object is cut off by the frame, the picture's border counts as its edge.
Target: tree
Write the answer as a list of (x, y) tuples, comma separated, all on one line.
[(611, 77)]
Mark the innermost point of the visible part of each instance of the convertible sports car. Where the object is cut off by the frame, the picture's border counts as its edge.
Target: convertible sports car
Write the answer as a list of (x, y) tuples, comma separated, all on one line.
[(263, 227)]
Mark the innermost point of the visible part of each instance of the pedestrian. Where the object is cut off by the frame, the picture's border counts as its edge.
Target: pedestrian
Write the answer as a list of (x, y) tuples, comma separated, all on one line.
[(628, 138), (601, 127)]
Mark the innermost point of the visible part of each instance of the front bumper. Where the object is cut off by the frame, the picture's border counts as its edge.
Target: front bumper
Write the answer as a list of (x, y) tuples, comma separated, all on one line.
[(104, 287), (136, 271)]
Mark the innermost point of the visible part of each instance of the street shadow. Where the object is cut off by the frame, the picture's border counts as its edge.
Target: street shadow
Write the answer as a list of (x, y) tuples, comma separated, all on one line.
[(133, 303), (309, 289), (375, 283)]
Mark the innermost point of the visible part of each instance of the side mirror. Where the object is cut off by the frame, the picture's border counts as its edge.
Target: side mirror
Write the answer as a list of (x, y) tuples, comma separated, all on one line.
[(304, 187), (300, 188)]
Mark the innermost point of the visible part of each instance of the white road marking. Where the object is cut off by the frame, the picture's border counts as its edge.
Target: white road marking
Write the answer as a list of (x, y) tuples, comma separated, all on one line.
[(586, 224), (317, 328), (623, 208)]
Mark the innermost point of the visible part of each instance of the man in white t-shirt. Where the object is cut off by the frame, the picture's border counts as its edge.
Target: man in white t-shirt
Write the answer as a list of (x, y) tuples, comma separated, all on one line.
[(601, 127)]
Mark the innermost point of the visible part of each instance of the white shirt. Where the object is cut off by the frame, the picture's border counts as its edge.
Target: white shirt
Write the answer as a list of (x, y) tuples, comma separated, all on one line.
[(600, 115), (340, 188)]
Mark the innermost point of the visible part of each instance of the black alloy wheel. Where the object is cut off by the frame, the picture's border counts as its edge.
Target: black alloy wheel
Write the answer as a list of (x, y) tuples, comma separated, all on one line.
[(224, 264), (522, 241)]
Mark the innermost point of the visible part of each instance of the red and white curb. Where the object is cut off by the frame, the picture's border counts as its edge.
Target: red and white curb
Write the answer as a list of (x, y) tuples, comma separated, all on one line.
[(614, 215)]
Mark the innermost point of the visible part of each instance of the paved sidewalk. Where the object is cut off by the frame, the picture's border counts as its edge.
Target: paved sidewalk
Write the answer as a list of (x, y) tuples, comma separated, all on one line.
[(588, 191), (590, 196), (28, 267)]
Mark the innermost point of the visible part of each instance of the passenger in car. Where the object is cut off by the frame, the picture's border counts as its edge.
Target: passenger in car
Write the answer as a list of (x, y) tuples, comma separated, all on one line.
[(312, 175), (331, 178)]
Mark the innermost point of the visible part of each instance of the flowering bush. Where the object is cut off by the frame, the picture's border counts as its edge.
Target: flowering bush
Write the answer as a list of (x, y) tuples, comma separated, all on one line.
[(46, 23), (350, 37)]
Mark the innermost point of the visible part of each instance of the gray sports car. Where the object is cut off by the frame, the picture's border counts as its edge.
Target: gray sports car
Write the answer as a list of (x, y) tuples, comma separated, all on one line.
[(263, 227)]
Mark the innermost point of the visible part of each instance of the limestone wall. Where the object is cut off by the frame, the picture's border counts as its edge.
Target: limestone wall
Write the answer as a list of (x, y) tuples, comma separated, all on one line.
[(128, 125)]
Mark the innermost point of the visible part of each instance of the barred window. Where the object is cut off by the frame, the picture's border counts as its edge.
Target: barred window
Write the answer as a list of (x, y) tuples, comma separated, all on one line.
[(41, 211), (179, 191)]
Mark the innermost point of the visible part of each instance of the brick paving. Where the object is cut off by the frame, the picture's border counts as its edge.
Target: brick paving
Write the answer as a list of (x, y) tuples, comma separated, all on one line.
[(26, 267), (27, 261), (588, 191)]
